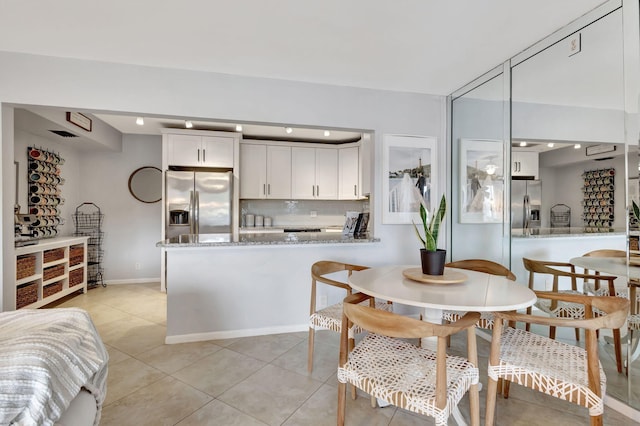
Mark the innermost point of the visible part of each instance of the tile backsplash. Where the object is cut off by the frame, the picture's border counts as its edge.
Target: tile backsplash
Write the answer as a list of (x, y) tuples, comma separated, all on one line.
[(321, 213)]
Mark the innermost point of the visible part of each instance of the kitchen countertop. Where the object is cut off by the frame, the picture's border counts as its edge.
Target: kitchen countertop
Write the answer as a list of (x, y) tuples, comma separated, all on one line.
[(265, 239), (565, 232)]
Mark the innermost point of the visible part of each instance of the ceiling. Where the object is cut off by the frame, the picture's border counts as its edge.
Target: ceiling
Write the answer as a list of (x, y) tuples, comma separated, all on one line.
[(422, 46)]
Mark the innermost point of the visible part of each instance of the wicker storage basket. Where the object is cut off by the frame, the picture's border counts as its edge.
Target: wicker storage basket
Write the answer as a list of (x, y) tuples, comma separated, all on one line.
[(25, 266), (26, 294), (633, 243), (53, 255), (52, 272), (76, 254), (76, 276), (50, 289)]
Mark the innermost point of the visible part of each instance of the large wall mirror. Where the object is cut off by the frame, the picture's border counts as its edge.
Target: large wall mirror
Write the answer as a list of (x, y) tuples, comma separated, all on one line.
[(574, 112), (480, 170), (568, 110)]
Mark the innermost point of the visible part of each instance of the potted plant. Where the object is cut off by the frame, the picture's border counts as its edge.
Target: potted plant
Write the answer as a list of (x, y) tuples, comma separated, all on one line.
[(431, 256)]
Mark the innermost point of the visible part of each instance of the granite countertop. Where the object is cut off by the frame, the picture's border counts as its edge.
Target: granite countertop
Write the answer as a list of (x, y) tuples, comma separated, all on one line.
[(265, 239), (565, 232)]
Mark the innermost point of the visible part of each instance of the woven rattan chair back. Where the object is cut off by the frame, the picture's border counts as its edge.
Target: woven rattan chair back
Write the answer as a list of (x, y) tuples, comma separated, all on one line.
[(380, 360), (565, 371)]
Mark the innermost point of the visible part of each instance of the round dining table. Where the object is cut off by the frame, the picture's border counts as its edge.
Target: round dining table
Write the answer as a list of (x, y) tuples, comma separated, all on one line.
[(479, 292)]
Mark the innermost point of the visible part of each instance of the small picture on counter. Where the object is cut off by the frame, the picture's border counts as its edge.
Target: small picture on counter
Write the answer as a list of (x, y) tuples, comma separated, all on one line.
[(350, 223), (361, 225)]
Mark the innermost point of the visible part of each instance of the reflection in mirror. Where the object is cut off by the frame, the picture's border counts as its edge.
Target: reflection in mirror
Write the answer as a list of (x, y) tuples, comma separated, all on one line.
[(478, 171), (568, 117), (145, 184)]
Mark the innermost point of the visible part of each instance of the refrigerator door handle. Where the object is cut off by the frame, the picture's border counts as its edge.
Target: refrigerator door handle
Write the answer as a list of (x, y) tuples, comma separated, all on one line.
[(197, 214), (191, 212), (527, 211)]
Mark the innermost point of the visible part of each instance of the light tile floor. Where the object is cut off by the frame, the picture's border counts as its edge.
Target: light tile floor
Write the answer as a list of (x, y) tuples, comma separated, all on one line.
[(254, 380)]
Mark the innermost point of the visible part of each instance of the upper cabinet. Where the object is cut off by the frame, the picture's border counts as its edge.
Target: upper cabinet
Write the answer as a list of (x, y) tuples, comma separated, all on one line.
[(290, 170), (314, 173), (200, 149), (524, 163), (265, 171), (349, 173)]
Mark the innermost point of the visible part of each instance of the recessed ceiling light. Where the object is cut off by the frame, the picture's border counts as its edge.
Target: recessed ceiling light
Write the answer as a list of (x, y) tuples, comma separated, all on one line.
[(327, 133), (238, 128), (523, 143), (288, 129), (188, 124), (551, 144), (577, 146), (140, 121)]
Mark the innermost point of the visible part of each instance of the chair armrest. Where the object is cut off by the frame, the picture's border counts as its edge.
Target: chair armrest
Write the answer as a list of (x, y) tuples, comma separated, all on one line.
[(615, 308)]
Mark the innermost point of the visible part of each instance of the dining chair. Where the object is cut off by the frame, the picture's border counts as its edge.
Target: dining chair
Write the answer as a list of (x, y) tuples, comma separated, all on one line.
[(549, 366), (480, 265), (594, 287), (563, 309), (331, 316), (388, 367)]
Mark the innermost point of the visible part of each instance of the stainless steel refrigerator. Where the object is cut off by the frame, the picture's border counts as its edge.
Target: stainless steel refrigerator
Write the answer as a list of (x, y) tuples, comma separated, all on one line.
[(526, 200), (198, 202)]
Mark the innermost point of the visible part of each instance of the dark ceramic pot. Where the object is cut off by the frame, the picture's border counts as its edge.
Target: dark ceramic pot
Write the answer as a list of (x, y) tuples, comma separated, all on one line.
[(433, 261)]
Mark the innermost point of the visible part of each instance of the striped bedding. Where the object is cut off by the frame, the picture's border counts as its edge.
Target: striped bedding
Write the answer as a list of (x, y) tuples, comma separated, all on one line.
[(46, 357)]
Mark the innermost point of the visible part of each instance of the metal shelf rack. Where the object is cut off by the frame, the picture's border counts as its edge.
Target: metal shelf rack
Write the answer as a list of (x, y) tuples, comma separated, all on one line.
[(88, 221)]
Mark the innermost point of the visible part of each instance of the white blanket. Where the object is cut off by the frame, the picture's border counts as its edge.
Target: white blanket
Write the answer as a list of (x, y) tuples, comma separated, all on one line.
[(46, 357)]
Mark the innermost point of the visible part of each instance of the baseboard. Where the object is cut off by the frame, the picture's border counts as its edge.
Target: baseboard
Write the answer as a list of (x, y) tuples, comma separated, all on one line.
[(233, 334), (622, 408), (133, 281)]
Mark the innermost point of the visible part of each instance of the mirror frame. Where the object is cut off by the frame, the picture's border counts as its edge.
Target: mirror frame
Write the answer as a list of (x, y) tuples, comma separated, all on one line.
[(131, 177)]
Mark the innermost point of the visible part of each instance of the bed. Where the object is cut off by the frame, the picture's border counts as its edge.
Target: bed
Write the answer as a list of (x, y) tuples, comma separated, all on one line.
[(53, 368)]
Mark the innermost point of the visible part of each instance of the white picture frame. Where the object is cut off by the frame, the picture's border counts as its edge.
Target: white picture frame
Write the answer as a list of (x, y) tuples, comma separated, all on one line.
[(482, 175), (416, 157)]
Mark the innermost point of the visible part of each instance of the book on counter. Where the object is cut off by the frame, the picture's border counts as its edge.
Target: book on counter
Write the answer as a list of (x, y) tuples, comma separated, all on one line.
[(356, 223)]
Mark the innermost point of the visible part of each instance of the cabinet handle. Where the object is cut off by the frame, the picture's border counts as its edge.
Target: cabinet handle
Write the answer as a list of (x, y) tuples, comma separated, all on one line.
[(198, 155), (204, 155), (264, 189), (317, 190), (313, 190), (268, 189), (355, 190)]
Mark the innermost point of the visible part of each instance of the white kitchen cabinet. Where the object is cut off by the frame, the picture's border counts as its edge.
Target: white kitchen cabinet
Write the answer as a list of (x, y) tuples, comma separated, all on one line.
[(265, 171), (314, 173), (524, 163), (197, 150), (348, 173)]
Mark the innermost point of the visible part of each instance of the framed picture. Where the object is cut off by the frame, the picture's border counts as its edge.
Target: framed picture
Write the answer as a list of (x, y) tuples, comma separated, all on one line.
[(481, 181), (409, 173)]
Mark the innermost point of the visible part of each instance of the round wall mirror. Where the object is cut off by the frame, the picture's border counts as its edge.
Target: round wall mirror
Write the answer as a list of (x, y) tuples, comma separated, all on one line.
[(145, 184)]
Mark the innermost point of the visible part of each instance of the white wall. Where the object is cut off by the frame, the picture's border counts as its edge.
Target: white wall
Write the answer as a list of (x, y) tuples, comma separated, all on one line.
[(49, 81), (131, 228)]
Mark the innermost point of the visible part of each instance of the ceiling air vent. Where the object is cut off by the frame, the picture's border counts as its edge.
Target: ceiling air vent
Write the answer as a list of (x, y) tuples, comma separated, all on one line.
[(64, 133)]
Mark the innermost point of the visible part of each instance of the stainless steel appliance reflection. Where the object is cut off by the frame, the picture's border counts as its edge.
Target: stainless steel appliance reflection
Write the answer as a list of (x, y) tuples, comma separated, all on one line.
[(198, 202), (526, 199)]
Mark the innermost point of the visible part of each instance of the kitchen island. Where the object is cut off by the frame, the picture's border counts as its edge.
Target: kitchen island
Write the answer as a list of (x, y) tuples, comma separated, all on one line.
[(260, 284)]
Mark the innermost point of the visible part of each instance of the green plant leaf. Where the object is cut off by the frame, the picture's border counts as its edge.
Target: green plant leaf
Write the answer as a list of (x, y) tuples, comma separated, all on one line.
[(434, 225), (636, 209)]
